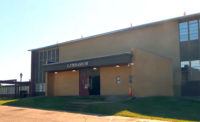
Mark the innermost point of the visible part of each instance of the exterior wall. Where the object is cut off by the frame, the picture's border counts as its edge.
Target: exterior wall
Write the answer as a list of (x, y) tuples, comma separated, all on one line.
[(160, 39), (194, 75), (49, 84), (190, 50), (191, 88), (34, 66), (108, 84), (38, 59), (190, 74), (63, 84), (152, 75)]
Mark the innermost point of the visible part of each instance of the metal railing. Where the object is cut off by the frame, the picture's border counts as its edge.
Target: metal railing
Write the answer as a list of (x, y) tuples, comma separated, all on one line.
[(13, 88)]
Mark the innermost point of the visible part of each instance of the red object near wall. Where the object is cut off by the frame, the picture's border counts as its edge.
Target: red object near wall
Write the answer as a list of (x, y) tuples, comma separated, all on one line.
[(83, 86)]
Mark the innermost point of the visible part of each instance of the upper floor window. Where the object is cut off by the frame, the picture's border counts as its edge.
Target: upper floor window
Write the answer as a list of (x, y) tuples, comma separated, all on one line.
[(50, 55), (193, 28), (183, 30), (195, 64), (189, 30), (184, 63)]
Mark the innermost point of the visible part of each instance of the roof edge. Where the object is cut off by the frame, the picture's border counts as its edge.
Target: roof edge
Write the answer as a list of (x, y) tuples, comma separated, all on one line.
[(119, 30)]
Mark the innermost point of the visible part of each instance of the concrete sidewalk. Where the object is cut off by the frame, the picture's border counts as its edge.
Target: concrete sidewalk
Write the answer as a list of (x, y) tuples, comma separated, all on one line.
[(20, 114)]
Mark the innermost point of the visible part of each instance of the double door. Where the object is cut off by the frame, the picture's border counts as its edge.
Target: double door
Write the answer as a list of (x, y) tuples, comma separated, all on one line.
[(89, 82)]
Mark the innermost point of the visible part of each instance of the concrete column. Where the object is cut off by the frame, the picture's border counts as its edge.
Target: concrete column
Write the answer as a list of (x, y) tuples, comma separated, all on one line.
[(46, 83)]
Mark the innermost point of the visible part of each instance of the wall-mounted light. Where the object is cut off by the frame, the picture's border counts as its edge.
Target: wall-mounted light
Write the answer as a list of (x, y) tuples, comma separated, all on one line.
[(131, 64), (74, 70), (117, 66), (55, 73), (94, 68)]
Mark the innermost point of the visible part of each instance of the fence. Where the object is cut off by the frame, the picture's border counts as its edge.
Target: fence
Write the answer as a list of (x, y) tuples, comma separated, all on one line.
[(12, 88)]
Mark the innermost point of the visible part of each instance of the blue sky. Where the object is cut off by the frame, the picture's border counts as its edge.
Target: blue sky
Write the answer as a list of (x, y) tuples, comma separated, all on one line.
[(27, 24)]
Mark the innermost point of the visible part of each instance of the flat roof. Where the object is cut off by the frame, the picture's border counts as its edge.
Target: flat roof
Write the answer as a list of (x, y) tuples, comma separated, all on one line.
[(120, 30)]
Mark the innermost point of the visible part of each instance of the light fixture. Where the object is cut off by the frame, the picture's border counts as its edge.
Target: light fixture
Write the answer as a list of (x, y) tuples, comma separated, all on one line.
[(130, 64), (74, 70), (117, 66), (94, 68), (55, 72)]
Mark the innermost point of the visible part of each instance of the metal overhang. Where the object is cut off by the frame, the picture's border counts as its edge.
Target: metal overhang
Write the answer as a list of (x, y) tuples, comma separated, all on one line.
[(124, 58)]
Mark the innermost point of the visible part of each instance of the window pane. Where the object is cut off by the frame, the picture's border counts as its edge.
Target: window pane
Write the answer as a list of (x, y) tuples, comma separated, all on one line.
[(195, 64), (40, 76), (53, 55), (45, 57), (41, 56), (183, 31), (57, 60), (193, 27), (49, 55), (184, 63), (57, 54)]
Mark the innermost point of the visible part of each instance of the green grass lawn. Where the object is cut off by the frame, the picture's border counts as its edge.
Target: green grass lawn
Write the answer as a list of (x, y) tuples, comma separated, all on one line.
[(162, 108)]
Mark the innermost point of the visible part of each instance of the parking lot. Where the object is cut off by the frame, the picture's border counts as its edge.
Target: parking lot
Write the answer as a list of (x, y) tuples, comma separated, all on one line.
[(20, 114)]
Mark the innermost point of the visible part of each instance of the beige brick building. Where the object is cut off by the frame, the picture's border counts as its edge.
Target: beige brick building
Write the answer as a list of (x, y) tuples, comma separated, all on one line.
[(145, 60)]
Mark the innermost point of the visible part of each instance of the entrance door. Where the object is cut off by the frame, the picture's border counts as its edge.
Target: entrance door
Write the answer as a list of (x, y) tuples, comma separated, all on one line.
[(94, 85), (83, 86), (89, 82)]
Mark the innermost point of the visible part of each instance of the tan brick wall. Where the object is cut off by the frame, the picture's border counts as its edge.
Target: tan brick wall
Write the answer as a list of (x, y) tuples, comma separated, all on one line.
[(49, 84), (152, 75), (63, 84), (160, 39), (108, 84)]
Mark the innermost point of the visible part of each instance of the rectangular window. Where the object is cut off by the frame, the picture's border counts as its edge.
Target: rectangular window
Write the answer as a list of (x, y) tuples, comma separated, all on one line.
[(41, 80), (41, 56), (184, 63), (53, 55), (49, 55), (57, 55), (195, 64), (45, 57), (183, 31), (193, 28)]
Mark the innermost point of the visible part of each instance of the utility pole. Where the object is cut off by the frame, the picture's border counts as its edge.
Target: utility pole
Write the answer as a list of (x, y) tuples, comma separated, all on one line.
[(21, 75)]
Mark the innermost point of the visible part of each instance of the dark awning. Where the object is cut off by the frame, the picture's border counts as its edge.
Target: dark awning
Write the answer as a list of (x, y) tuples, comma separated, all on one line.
[(124, 58)]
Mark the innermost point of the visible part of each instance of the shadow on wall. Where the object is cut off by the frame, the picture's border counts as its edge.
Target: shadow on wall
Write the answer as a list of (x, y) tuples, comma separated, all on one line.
[(164, 108)]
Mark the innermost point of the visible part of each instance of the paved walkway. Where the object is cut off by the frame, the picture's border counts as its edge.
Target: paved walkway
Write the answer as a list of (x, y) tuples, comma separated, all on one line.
[(19, 114)]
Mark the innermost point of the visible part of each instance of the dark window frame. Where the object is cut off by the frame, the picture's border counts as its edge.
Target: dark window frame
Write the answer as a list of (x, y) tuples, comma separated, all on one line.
[(181, 31), (188, 29), (193, 28)]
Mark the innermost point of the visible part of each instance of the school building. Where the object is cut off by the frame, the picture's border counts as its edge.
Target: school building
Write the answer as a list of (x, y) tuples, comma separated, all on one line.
[(155, 59)]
